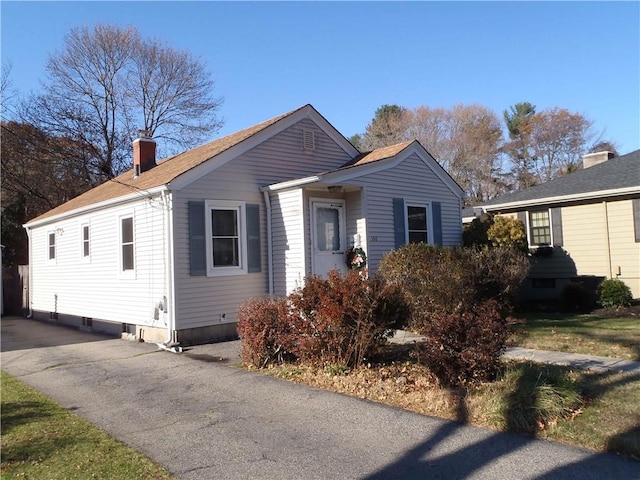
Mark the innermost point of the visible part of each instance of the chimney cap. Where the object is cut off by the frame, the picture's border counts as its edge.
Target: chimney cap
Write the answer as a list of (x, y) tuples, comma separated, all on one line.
[(144, 133)]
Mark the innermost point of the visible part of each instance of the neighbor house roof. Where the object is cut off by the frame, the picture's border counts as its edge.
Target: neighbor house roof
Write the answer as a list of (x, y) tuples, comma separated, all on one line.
[(167, 170), (617, 176)]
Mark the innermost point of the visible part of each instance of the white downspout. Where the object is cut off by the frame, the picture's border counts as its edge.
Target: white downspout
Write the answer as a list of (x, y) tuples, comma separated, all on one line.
[(267, 202), (169, 343), (29, 246)]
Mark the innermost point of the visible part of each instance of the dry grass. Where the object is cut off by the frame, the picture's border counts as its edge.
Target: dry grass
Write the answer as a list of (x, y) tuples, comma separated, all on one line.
[(595, 411)]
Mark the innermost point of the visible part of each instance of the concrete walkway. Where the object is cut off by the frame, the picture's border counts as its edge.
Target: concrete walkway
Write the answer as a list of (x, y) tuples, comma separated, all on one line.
[(575, 360), (202, 419)]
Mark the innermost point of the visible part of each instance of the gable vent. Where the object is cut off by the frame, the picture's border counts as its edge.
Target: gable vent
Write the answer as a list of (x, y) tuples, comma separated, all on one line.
[(308, 141)]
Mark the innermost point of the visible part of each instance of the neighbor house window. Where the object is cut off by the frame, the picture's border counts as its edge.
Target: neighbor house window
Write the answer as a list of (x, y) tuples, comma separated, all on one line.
[(540, 228), (85, 242), (52, 246), (126, 242), (226, 244), (417, 224)]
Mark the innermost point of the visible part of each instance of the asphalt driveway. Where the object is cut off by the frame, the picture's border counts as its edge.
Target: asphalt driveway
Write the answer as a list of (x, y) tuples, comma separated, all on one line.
[(202, 418)]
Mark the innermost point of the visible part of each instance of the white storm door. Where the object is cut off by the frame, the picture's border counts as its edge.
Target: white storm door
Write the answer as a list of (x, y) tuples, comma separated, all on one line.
[(328, 236)]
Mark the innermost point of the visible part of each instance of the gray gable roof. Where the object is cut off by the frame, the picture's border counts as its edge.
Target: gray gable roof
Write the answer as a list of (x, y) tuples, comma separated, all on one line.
[(619, 173)]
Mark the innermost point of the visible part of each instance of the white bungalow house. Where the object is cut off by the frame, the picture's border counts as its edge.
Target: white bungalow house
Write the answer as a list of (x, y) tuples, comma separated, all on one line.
[(167, 252)]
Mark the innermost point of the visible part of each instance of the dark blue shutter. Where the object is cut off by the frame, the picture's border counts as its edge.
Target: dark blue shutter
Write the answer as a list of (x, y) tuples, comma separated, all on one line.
[(437, 223), (556, 226), (399, 222), (197, 242), (254, 258)]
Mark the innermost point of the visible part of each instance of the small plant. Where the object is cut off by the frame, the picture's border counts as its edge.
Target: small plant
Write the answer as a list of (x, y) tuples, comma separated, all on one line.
[(508, 232), (613, 293), (577, 298), (537, 397), (463, 346), (265, 331)]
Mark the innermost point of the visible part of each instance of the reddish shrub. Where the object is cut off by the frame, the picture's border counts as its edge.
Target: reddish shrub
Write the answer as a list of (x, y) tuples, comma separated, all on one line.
[(342, 319), (464, 345), (264, 329)]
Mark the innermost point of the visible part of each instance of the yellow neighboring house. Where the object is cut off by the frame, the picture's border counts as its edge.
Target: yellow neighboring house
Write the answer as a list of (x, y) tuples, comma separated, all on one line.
[(584, 226)]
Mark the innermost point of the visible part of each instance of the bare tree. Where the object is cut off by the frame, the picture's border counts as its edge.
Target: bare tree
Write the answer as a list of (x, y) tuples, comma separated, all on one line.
[(544, 145), (558, 139), (7, 94), (465, 140), (108, 82), (388, 127)]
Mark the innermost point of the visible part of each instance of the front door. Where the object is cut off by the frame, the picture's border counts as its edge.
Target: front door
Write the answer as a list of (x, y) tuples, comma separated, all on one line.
[(329, 236)]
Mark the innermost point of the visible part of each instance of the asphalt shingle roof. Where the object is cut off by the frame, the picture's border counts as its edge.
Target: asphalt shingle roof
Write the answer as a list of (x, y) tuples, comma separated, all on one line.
[(616, 173)]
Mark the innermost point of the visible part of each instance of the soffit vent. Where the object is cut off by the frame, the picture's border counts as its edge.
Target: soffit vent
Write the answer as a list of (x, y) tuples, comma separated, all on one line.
[(308, 141)]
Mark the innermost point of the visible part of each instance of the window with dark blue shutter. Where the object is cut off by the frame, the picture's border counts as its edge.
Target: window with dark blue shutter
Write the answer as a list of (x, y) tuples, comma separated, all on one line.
[(437, 223), (254, 257), (197, 241), (399, 222)]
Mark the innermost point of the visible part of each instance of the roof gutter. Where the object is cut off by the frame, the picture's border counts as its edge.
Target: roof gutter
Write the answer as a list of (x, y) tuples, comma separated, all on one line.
[(148, 193), (562, 198)]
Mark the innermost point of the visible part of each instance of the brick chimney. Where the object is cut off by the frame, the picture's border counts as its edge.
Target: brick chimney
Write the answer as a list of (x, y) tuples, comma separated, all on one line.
[(144, 153), (592, 159)]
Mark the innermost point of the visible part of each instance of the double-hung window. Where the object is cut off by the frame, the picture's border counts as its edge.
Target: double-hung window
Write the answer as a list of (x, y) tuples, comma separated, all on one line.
[(417, 224), (127, 250), (226, 239), (85, 242), (51, 246), (539, 227)]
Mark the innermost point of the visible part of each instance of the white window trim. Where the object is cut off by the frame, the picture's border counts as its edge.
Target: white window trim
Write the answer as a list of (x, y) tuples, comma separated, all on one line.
[(240, 206), (53, 260), (529, 239), (427, 206), (126, 274), (85, 258)]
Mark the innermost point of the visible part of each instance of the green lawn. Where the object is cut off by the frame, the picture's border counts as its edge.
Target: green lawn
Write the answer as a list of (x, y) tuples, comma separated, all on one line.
[(617, 337), (40, 439)]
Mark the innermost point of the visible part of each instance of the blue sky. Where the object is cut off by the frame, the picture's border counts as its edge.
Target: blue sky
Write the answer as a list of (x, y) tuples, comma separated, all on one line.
[(349, 58)]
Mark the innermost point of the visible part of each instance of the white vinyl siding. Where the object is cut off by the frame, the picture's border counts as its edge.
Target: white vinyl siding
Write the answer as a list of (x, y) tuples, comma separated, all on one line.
[(200, 300), (418, 185), (96, 289), (289, 241)]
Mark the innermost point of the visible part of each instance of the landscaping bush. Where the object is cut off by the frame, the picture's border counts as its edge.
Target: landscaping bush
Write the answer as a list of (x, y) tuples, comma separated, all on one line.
[(265, 331), (575, 297), (496, 231), (508, 232), (429, 277), (613, 293), (493, 274), (465, 345), (341, 320), (475, 232), (441, 279)]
